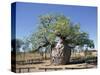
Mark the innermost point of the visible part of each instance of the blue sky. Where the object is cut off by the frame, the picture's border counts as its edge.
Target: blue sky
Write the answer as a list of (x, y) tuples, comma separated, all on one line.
[(27, 17)]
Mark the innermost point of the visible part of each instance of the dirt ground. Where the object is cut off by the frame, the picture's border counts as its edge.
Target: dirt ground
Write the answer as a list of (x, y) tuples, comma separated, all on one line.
[(45, 65)]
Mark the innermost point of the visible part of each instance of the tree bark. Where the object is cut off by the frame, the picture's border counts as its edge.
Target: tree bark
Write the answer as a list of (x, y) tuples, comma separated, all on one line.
[(61, 55)]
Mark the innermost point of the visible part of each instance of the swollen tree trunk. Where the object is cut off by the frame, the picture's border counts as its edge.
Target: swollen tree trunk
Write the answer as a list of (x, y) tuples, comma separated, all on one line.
[(61, 55), (67, 54)]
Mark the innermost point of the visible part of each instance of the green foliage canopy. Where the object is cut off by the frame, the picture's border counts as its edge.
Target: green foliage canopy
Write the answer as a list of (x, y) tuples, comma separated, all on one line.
[(51, 24)]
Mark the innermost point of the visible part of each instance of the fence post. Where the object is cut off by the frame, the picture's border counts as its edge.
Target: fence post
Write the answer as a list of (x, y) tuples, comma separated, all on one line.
[(28, 69), (19, 70)]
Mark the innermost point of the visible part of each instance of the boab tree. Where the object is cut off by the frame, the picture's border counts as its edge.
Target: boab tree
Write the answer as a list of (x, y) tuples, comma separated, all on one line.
[(59, 27)]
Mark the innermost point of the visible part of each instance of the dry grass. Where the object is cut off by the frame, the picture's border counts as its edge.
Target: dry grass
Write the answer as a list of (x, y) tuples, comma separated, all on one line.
[(28, 56)]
